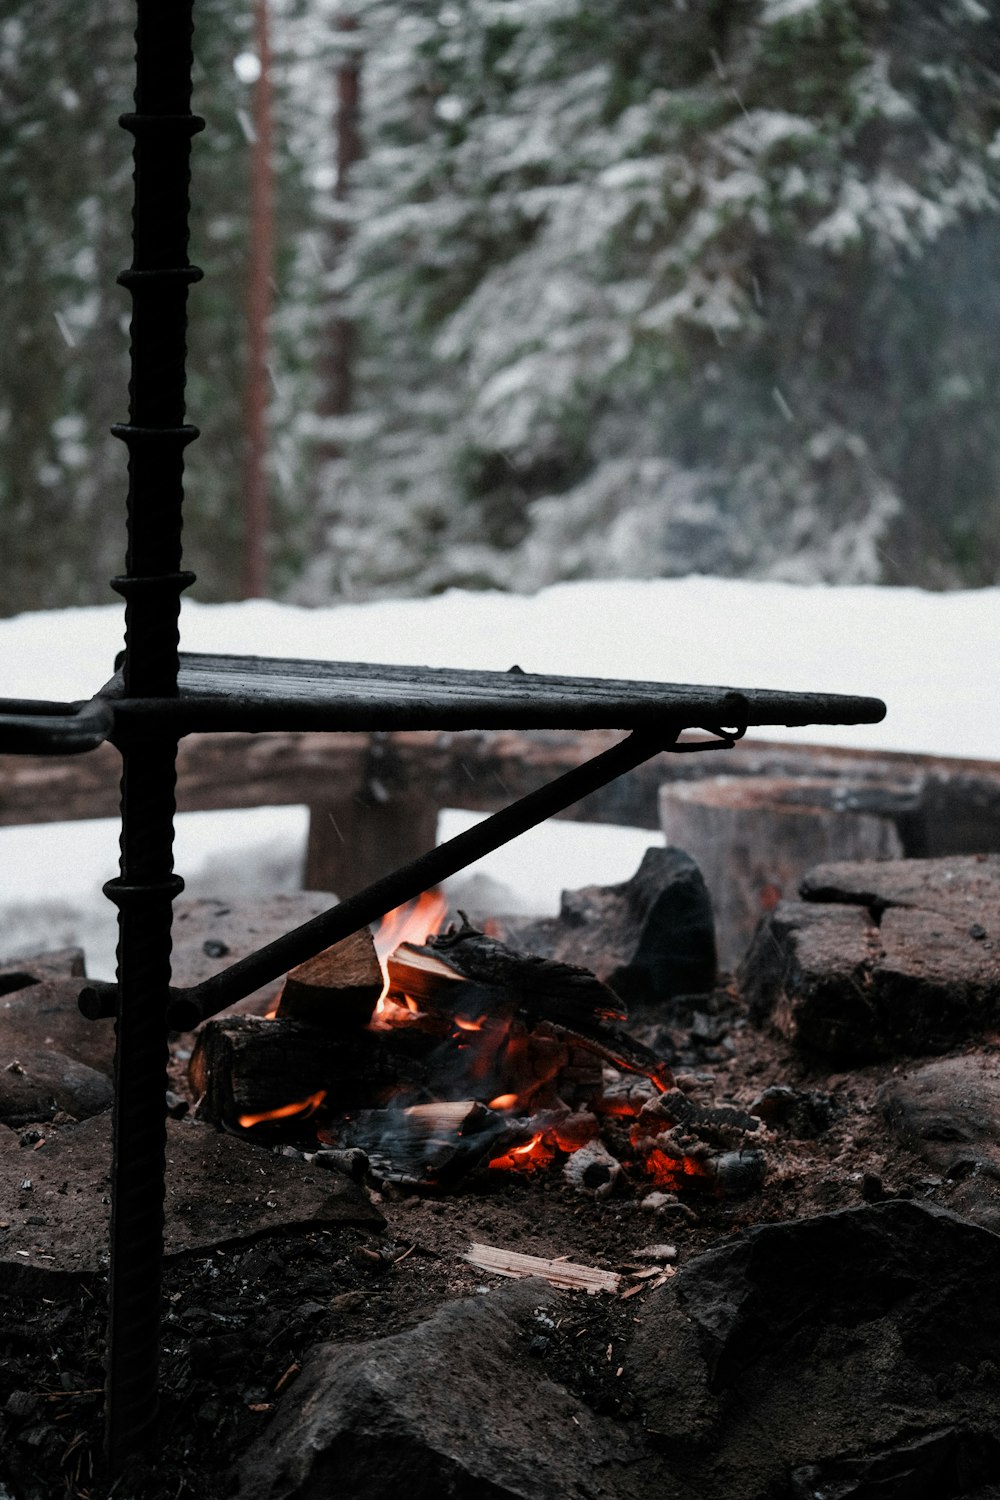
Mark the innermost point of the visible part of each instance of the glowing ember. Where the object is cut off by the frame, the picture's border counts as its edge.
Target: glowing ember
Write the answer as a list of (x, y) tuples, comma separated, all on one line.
[(303, 1108), (503, 1101), (534, 1153), (670, 1171)]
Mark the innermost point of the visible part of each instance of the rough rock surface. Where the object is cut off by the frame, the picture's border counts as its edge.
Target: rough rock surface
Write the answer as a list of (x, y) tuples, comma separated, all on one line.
[(46, 1015), (948, 1112), (51, 1058), (55, 1195), (38, 1083), (846, 1355), (965, 887), (454, 1407), (210, 934), (649, 938), (882, 958), (52, 1061), (808, 972), (60, 963)]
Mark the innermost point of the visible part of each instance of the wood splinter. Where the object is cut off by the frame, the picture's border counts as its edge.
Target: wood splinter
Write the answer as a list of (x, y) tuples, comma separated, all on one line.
[(562, 1273)]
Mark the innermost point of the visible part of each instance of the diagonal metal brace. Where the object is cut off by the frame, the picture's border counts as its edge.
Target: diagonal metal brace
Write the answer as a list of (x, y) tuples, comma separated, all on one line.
[(192, 1005)]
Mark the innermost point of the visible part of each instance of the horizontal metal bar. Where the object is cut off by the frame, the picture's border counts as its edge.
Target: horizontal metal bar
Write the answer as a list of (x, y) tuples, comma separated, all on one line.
[(43, 728), (190, 1006), (98, 1000)]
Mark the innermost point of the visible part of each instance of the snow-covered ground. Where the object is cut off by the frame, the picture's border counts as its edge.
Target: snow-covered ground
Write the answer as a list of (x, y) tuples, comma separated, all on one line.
[(930, 656)]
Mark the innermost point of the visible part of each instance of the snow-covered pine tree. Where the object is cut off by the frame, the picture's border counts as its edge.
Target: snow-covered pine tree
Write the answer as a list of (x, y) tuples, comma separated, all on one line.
[(66, 72), (653, 285)]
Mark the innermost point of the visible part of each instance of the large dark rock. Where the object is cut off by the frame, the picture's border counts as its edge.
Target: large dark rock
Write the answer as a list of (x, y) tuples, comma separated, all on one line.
[(453, 1409), (38, 1083), (650, 938), (882, 958), (46, 1014), (55, 1197), (853, 1354), (55, 964), (808, 972), (948, 1112), (51, 1059)]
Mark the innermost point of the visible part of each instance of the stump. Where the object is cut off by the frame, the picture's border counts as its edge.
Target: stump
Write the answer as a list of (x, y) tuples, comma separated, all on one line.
[(754, 838)]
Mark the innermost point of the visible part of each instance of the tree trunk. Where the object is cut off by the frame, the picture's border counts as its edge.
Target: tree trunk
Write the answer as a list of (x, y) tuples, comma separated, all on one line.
[(257, 519)]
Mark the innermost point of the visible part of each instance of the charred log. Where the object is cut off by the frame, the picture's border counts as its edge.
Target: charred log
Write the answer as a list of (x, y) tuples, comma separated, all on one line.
[(537, 987), (466, 974), (246, 1069), (436, 1144)]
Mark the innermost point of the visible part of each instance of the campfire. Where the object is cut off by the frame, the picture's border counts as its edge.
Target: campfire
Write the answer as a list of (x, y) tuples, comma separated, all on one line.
[(435, 1052)]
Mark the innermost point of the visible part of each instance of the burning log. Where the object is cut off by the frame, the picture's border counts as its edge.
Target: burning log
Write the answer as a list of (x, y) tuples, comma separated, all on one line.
[(684, 1144), (537, 987), (626, 1098), (480, 1056), (618, 1049), (336, 991), (471, 978), (719, 1125), (248, 1070)]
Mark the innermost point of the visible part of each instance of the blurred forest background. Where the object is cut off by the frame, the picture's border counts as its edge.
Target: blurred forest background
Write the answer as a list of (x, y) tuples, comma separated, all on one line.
[(555, 289)]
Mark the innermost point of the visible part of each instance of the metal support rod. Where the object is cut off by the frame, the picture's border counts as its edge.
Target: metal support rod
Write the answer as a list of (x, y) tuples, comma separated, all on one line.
[(190, 1006), (143, 894), (156, 436)]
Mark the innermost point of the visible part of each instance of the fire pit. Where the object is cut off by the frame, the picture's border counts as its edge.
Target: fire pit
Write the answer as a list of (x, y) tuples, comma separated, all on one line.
[(699, 1267), (158, 696), (471, 1054)]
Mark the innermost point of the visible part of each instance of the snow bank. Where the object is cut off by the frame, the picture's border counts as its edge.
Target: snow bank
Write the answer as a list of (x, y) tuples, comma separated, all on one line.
[(923, 653)]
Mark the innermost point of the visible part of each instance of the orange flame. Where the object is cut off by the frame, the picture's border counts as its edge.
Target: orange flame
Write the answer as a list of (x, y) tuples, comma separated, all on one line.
[(413, 922), (304, 1107), (503, 1101)]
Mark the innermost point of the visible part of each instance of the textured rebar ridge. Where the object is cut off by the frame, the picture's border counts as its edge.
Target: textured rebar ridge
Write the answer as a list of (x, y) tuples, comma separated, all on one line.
[(156, 436)]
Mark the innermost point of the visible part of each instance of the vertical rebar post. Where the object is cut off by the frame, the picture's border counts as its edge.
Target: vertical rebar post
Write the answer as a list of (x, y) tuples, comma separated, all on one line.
[(156, 436)]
